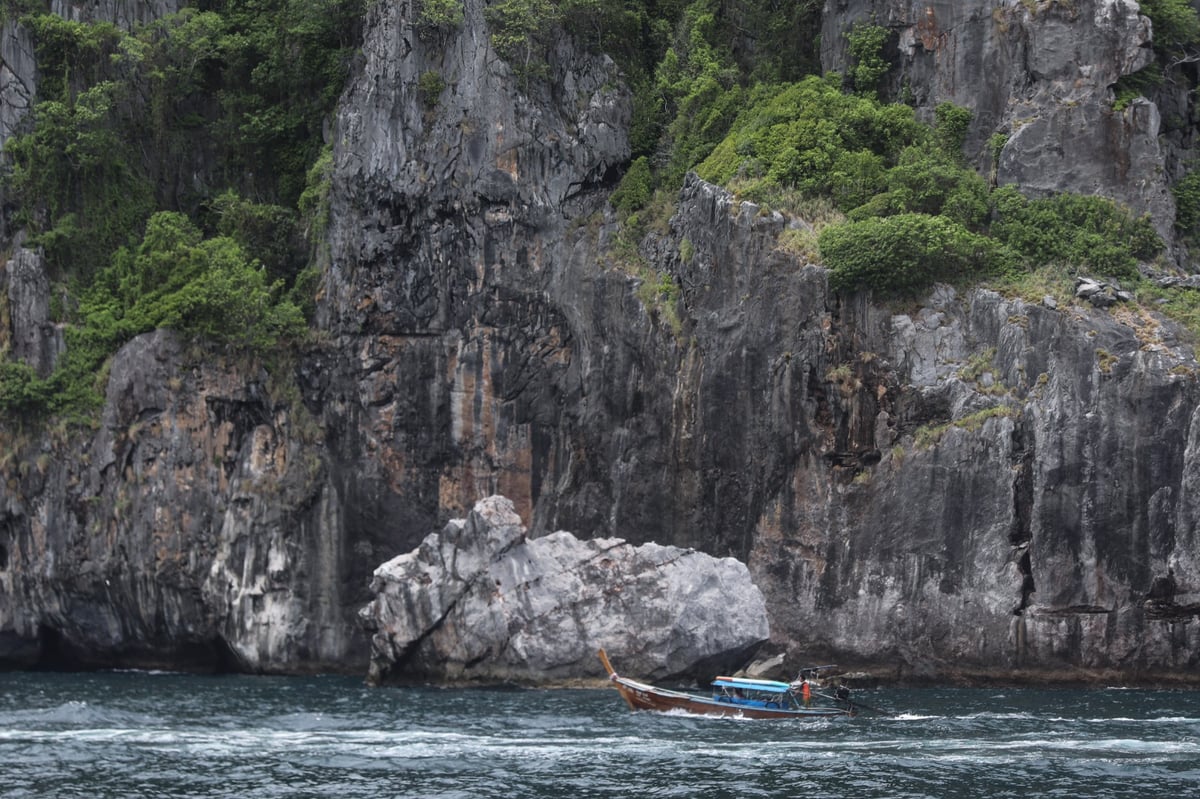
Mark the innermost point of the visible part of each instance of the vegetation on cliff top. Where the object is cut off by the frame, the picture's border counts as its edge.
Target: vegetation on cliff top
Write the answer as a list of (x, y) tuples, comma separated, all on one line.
[(913, 212), (168, 174), (185, 157)]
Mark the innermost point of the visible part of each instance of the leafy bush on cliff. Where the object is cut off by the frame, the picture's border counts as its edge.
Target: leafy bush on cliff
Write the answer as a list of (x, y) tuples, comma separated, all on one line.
[(522, 31), (906, 253), (868, 65), (635, 189), (439, 15), (1092, 232), (207, 288), (922, 213), (1187, 206), (926, 180), (795, 135), (177, 112), (75, 175), (174, 278)]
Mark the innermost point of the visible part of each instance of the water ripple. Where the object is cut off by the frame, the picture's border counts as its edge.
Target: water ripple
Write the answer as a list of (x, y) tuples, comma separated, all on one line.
[(169, 735)]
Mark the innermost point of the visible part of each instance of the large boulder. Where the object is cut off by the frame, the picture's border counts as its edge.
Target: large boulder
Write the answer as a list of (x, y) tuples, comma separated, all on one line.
[(480, 601)]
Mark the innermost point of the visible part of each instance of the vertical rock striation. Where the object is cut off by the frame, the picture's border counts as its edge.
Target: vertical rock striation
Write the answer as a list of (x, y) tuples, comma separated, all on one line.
[(34, 338)]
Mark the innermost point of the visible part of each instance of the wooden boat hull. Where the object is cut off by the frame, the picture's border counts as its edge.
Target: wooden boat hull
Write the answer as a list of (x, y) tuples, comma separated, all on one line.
[(640, 696), (646, 697)]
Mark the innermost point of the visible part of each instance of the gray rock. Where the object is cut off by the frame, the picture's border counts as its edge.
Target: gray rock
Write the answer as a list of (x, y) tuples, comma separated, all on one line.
[(1099, 293), (18, 77), (125, 14), (480, 601), (36, 340), (188, 530), (1173, 281)]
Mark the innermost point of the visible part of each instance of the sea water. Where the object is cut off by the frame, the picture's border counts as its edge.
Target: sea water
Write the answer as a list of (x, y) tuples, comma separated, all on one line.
[(138, 734)]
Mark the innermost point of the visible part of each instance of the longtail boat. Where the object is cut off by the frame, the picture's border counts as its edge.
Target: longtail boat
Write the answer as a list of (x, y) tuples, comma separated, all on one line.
[(731, 696)]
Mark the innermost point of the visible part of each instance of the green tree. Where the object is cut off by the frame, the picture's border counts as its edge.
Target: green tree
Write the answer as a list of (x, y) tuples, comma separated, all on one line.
[(927, 180), (268, 233), (76, 178), (856, 177), (521, 31), (177, 279), (1187, 207), (810, 136), (868, 65), (285, 64), (1175, 23), (635, 189), (953, 123), (440, 14)]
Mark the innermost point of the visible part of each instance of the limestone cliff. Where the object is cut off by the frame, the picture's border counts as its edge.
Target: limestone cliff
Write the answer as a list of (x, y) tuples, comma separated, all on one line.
[(1041, 75), (973, 484)]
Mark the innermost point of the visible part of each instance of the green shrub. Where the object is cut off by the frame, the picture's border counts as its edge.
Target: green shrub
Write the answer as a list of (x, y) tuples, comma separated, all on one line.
[(1092, 233), (268, 233), (810, 136), (70, 55), (636, 188), (314, 200), (927, 180), (907, 253), (521, 32), (856, 178), (22, 393), (996, 144), (953, 123), (430, 86), (204, 288), (1187, 207), (1137, 84), (440, 14)]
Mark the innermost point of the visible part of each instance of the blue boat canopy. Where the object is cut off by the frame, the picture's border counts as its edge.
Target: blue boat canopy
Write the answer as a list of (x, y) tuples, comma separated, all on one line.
[(770, 686)]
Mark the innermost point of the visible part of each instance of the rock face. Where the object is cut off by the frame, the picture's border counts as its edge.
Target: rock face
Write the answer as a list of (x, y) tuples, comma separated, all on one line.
[(188, 531), (18, 90), (967, 484), (18, 71), (949, 489), (1042, 75), (480, 601), (35, 339)]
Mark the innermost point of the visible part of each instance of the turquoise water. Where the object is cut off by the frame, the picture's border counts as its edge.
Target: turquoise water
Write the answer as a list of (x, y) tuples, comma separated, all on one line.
[(135, 734)]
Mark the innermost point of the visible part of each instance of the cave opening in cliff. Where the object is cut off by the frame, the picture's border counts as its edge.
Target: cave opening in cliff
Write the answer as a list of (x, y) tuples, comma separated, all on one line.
[(224, 660), (3, 558), (1025, 567), (50, 650)]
